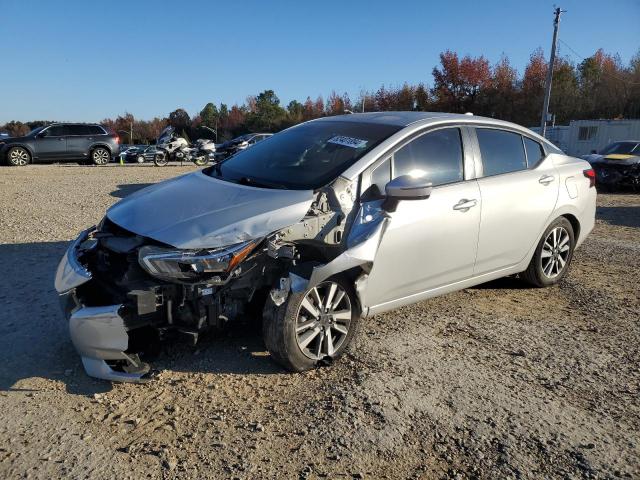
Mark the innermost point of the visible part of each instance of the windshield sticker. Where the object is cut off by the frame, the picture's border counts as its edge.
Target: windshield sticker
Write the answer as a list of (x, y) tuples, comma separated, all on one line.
[(348, 141)]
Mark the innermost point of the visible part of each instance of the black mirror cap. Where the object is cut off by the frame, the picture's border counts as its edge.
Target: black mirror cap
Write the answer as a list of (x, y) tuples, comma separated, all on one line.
[(405, 187)]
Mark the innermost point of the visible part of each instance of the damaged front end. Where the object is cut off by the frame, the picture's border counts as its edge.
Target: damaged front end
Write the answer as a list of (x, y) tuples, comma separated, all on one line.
[(618, 173), (120, 290)]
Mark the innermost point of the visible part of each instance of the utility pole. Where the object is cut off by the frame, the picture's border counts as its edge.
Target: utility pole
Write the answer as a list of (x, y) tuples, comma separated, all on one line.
[(547, 85)]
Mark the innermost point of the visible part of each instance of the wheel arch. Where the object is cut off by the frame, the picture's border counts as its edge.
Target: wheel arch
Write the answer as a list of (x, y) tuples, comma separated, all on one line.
[(100, 145), (26, 146), (568, 212), (575, 224)]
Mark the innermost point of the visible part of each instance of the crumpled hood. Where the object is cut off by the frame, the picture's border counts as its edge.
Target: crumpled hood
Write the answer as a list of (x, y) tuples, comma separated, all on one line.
[(199, 211)]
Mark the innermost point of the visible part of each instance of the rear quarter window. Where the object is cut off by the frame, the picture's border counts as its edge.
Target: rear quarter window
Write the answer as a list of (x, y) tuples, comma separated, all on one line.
[(534, 150)]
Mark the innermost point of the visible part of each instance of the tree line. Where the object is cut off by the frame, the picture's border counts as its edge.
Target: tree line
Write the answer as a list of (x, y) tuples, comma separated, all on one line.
[(599, 86)]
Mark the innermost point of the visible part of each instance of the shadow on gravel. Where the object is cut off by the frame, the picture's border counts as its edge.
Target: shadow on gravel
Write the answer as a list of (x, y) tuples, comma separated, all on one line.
[(127, 189), (621, 216), (505, 283), (34, 340)]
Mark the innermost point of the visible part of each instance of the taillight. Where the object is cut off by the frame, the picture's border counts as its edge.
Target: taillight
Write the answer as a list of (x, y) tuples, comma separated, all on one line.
[(117, 139), (591, 175)]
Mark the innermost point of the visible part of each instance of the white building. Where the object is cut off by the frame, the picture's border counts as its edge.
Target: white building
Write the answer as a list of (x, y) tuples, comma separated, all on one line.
[(582, 137)]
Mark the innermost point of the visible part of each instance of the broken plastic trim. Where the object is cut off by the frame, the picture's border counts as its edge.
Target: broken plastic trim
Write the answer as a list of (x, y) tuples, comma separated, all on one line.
[(363, 242), (70, 273), (99, 335)]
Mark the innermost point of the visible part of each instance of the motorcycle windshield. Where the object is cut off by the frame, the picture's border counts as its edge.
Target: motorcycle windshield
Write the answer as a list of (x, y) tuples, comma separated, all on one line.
[(165, 135)]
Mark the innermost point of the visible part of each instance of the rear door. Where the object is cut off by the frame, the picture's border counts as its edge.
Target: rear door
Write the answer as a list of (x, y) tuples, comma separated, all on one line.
[(519, 189), (78, 141), (432, 242), (51, 143)]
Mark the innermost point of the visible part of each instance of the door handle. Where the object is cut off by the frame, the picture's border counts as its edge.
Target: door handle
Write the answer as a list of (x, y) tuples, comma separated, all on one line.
[(60, 139), (546, 179), (464, 204)]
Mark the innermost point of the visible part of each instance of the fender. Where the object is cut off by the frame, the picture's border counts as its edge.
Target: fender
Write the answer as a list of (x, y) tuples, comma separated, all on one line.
[(29, 148), (99, 144)]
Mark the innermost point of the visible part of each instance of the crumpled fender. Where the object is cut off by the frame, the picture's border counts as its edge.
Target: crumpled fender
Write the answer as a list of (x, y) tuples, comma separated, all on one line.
[(362, 246)]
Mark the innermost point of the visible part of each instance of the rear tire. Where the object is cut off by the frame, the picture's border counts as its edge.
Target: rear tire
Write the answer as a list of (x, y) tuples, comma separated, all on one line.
[(100, 156), (312, 326), (140, 159), (553, 255), (18, 157)]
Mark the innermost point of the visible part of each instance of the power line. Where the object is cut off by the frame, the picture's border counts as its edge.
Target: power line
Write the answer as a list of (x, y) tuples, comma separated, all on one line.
[(603, 72)]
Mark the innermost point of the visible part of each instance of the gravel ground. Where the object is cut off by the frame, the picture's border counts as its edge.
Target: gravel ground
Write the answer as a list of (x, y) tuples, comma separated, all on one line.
[(498, 381)]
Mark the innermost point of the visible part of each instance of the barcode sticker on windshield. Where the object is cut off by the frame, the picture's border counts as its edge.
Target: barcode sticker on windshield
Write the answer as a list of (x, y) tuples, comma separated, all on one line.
[(348, 141)]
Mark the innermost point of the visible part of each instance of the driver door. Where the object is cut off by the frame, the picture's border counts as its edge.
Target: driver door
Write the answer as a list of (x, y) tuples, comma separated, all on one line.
[(51, 143), (432, 242)]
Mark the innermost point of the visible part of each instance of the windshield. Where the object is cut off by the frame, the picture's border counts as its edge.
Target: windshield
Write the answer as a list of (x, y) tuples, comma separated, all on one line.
[(621, 148), (304, 157), (35, 131)]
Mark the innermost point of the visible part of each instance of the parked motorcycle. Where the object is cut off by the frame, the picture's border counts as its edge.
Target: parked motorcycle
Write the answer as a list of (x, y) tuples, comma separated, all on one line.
[(170, 146)]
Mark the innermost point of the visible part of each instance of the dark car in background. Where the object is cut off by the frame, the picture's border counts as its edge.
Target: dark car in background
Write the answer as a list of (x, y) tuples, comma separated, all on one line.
[(231, 147), (617, 165), (61, 142), (138, 153)]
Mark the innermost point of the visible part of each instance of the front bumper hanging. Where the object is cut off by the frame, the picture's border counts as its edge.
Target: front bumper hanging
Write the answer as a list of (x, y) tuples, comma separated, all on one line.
[(99, 334)]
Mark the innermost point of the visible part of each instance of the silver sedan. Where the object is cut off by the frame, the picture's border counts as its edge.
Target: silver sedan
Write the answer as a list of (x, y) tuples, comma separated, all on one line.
[(320, 227)]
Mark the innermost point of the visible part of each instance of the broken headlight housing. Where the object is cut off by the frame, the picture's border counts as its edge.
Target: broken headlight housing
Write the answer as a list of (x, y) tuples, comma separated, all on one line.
[(192, 265)]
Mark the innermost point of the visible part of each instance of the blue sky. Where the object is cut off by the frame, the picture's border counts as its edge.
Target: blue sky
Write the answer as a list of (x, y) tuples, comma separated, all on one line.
[(79, 60)]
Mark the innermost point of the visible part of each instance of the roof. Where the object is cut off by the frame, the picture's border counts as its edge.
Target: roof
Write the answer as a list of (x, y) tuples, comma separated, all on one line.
[(403, 119)]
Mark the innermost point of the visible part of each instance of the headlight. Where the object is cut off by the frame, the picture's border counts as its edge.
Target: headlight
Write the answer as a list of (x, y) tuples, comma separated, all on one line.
[(192, 265)]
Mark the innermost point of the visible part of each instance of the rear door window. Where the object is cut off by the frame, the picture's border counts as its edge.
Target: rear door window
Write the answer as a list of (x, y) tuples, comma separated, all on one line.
[(95, 130), (436, 156), (501, 151), (78, 130)]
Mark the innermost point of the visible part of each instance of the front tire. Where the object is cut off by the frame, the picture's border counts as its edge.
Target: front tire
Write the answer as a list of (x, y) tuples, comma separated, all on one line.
[(553, 255), (100, 156), (312, 326), (18, 157), (160, 159)]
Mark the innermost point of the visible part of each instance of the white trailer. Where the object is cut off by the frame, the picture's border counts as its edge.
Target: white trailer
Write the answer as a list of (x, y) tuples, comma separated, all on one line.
[(582, 137)]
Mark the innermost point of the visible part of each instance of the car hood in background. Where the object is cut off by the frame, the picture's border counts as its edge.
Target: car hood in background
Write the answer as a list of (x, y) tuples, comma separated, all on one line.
[(618, 156), (198, 211), (627, 160)]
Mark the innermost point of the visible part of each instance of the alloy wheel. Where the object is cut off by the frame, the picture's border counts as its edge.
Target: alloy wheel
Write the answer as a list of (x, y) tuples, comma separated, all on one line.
[(100, 156), (323, 321), (19, 157), (555, 252)]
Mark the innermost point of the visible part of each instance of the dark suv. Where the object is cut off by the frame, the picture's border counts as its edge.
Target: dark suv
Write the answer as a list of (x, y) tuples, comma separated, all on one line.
[(61, 142)]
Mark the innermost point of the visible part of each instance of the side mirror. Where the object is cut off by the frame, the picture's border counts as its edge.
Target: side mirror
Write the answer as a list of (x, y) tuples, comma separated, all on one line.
[(406, 187)]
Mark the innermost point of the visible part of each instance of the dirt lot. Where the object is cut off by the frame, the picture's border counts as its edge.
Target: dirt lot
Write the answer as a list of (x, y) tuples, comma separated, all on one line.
[(497, 381)]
